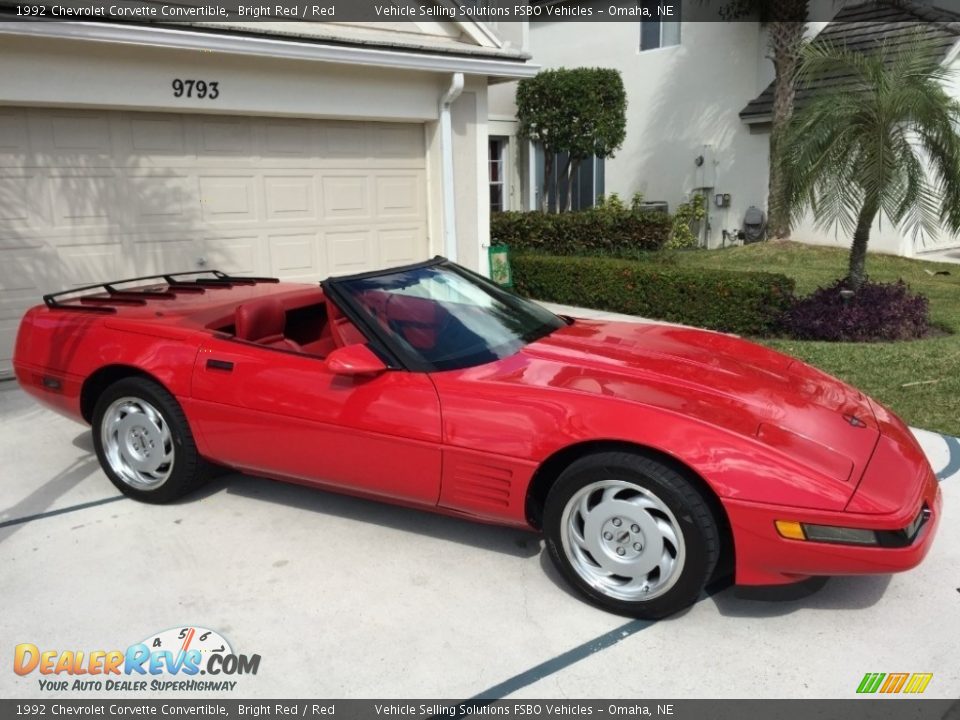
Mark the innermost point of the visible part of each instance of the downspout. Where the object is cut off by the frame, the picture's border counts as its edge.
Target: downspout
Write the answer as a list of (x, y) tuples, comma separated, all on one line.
[(446, 152)]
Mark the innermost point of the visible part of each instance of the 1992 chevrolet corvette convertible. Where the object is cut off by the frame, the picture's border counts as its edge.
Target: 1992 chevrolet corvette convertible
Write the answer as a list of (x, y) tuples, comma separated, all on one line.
[(646, 454)]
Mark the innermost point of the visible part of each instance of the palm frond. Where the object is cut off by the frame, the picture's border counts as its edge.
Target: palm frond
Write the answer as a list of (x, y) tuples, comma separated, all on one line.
[(880, 135)]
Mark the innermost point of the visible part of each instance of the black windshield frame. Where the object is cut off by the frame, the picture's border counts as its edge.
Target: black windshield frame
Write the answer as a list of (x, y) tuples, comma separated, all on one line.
[(394, 353)]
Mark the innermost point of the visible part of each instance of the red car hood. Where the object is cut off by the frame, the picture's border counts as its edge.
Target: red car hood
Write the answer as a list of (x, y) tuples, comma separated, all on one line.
[(716, 378)]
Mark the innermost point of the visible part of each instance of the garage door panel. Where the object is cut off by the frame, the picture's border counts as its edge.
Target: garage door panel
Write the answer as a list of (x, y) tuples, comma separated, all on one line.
[(226, 138), (400, 246), (237, 254), (399, 142), (81, 131), (228, 198), (175, 254), (346, 141), (164, 236), (87, 198), (89, 264), (398, 196), (157, 138), (162, 198), (290, 197), (346, 197), (14, 138), (293, 256), (24, 276), (24, 204), (289, 140), (349, 251)]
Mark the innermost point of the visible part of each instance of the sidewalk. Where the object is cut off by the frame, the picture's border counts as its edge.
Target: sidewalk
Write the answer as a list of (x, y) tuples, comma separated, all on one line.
[(951, 255)]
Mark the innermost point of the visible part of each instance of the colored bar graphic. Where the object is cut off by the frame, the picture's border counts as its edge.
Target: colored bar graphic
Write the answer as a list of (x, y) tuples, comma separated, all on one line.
[(870, 682), (894, 683), (918, 682)]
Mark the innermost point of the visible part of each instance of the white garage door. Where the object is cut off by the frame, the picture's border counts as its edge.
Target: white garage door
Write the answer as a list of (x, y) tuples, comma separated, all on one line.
[(88, 196)]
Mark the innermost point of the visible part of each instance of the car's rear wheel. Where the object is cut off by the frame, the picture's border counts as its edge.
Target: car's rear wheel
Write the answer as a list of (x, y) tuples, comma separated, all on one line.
[(632, 534), (144, 443)]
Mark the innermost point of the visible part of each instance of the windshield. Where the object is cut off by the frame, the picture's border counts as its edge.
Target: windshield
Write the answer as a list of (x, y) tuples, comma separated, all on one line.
[(442, 317)]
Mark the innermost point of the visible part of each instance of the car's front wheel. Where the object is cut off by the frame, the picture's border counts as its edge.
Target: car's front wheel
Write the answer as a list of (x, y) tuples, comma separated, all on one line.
[(144, 443), (631, 533)]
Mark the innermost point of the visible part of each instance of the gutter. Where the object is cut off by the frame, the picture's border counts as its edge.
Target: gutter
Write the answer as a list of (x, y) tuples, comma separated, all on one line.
[(756, 119), (143, 35), (446, 152)]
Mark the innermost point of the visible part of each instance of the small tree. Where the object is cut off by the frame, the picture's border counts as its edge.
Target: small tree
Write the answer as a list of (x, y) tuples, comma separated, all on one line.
[(581, 112), (873, 144)]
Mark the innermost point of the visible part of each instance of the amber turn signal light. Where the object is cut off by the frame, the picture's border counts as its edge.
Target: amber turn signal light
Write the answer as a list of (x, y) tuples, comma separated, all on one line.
[(790, 529)]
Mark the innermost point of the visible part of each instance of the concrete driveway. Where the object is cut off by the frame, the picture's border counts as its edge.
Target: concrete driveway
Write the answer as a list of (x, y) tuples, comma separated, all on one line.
[(348, 598)]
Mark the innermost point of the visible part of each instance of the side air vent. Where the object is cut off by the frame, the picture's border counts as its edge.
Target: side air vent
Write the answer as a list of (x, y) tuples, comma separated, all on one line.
[(475, 483)]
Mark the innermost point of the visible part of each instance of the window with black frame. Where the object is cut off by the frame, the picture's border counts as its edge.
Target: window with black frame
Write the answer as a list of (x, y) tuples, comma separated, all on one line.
[(660, 30), (498, 167), (441, 317)]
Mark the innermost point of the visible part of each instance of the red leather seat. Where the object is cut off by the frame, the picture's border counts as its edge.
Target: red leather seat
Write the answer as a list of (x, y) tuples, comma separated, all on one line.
[(323, 345), (344, 332), (415, 318), (262, 321)]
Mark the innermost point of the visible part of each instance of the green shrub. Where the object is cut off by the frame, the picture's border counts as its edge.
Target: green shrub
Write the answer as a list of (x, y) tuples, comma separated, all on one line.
[(607, 229), (749, 303), (687, 216)]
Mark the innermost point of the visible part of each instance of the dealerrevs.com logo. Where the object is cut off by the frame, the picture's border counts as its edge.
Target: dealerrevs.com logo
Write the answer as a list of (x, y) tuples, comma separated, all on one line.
[(171, 660)]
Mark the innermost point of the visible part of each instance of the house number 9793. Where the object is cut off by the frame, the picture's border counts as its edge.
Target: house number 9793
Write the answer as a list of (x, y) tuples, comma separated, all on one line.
[(196, 88)]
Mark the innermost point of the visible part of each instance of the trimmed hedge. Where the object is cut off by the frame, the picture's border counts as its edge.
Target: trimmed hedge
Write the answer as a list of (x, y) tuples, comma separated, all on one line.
[(595, 231), (749, 303)]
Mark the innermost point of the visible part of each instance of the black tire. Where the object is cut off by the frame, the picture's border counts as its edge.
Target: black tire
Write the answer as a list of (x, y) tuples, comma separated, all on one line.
[(186, 470), (596, 488)]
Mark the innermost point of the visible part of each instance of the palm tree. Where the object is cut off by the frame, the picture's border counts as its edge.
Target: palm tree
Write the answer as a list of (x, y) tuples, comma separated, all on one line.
[(786, 22), (879, 137)]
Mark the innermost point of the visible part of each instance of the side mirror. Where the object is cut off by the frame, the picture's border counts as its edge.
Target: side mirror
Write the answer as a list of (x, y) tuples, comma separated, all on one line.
[(355, 359)]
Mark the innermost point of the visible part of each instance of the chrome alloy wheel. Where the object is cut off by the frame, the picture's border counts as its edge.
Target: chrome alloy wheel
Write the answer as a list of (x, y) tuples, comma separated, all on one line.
[(137, 443), (622, 540)]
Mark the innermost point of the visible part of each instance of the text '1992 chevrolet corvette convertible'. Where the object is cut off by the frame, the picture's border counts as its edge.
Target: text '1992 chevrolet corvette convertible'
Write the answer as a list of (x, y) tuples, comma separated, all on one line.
[(645, 453)]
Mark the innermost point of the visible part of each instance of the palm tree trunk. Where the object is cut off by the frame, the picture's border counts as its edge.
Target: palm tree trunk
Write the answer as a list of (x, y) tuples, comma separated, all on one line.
[(858, 250), (786, 40)]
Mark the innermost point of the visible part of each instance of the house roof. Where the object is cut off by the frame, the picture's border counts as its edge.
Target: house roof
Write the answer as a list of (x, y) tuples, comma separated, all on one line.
[(400, 36), (864, 28), (456, 37)]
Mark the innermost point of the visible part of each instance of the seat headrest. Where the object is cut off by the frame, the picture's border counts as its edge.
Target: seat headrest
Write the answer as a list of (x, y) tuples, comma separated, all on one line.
[(260, 320)]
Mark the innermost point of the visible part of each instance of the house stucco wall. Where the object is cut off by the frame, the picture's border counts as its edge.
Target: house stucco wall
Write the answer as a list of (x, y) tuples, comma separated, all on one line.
[(130, 77), (683, 102)]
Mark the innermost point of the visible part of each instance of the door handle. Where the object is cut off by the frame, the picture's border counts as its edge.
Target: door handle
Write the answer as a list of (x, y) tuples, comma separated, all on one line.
[(225, 365)]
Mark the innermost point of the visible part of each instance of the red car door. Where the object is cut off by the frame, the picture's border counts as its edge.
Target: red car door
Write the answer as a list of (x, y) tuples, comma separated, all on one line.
[(281, 413)]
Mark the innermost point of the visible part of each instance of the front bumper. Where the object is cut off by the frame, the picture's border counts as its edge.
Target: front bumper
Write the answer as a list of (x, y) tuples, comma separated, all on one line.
[(763, 557)]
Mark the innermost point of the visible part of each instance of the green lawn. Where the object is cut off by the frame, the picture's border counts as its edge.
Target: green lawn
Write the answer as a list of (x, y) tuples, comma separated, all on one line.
[(920, 379)]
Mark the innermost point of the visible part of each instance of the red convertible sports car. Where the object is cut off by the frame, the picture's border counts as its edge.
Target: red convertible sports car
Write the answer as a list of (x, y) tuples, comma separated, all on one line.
[(645, 453)]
